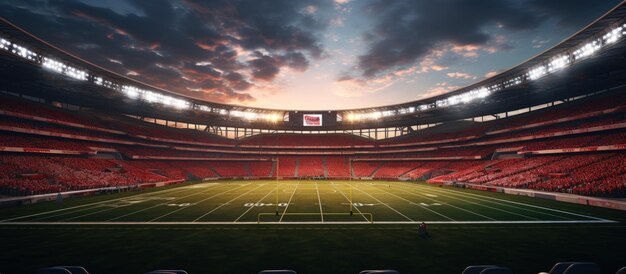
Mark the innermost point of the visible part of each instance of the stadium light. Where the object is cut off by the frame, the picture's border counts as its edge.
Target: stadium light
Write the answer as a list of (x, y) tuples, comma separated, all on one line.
[(536, 72), (609, 36), (586, 50), (558, 63), (4, 44), (612, 36)]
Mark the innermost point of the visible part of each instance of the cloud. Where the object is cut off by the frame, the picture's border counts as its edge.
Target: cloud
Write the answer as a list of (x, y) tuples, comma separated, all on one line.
[(202, 48), (350, 87), (266, 67), (439, 89), (460, 75), (491, 74), (404, 32), (539, 43)]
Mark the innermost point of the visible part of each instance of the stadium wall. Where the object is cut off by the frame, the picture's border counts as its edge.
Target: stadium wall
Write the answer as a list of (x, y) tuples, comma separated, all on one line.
[(33, 199)]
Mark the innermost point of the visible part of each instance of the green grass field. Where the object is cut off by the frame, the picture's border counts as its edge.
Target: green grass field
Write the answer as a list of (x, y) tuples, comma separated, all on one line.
[(232, 227)]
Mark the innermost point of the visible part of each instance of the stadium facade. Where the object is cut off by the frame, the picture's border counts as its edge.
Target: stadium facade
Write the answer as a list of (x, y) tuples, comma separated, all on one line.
[(562, 110)]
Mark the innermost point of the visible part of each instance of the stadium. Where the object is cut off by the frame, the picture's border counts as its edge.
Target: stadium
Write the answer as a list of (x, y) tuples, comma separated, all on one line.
[(514, 173)]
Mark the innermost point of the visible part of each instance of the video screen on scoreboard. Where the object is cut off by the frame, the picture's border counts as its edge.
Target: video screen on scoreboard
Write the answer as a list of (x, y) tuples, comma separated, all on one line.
[(312, 120)]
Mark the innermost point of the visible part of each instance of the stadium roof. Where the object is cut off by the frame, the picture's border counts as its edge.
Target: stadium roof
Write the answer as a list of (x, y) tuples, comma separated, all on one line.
[(589, 61)]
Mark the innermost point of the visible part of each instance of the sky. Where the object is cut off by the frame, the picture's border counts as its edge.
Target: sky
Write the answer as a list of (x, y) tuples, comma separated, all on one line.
[(305, 54)]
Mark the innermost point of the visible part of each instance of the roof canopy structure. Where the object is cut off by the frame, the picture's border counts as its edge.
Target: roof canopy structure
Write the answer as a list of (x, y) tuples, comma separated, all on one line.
[(589, 61)]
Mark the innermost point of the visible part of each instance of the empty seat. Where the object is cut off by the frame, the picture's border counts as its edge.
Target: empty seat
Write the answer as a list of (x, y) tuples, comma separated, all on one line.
[(476, 269), (386, 271), (167, 272), (76, 269), (497, 270), (558, 268), (53, 270), (621, 271), (284, 271), (582, 268)]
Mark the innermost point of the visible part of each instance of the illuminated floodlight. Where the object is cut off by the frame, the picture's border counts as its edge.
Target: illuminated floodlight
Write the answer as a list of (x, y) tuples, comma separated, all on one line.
[(388, 113), (558, 63), (203, 108), (273, 117), (586, 50), (613, 35), (482, 93), (249, 115), (53, 64), (4, 44), (130, 91), (537, 72)]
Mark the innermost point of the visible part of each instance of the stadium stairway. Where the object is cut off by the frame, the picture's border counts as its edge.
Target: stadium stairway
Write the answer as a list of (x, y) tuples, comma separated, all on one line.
[(376, 169), (246, 167), (297, 167), (273, 170), (325, 167)]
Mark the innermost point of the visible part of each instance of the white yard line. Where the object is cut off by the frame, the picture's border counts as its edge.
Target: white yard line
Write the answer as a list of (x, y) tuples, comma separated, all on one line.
[(523, 204), (385, 204), (289, 202), (198, 202), (344, 195), (260, 200), (454, 196), (7, 224), (495, 208), (447, 204), (220, 206), (157, 205), (90, 204), (113, 208), (433, 211), (319, 201)]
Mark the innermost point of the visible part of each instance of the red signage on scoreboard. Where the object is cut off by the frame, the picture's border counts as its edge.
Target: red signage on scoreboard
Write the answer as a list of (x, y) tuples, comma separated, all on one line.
[(312, 120)]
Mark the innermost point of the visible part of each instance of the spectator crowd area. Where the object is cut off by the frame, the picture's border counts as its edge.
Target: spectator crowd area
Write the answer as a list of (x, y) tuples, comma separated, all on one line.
[(46, 149)]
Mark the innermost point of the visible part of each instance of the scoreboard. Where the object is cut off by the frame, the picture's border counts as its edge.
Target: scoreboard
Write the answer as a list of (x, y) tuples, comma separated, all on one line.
[(312, 119)]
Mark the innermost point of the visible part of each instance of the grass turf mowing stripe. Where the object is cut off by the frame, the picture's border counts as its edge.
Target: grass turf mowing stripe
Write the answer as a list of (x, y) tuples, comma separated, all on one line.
[(289, 202), (104, 205), (344, 195), (205, 199), (490, 207), (260, 200), (80, 206), (450, 195), (231, 200), (303, 223), (319, 201), (416, 204), (523, 204), (440, 214), (134, 198), (309, 202), (160, 204), (385, 204)]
